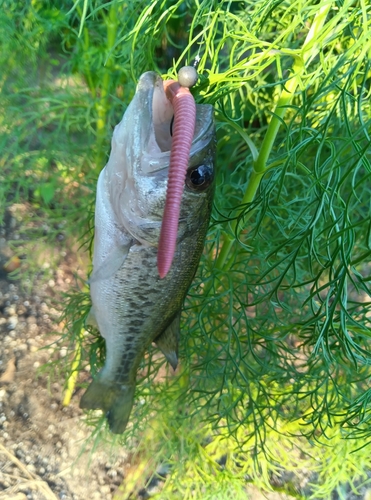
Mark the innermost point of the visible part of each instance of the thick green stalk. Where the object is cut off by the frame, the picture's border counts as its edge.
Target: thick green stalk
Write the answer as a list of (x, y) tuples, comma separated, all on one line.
[(260, 164)]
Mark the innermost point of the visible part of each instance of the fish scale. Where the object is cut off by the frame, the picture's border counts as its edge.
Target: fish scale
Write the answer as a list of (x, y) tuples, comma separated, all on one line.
[(131, 305), (146, 326)]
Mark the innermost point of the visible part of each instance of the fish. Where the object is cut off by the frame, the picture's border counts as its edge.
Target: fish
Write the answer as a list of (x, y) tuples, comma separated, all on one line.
[(132, 306)]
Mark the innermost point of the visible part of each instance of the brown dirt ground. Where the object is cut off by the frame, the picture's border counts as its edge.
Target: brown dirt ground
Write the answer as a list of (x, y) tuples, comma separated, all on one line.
[(40, 440)]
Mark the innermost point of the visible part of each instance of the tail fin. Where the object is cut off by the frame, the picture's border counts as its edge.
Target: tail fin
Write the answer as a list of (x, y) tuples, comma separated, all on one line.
[(114, 399)]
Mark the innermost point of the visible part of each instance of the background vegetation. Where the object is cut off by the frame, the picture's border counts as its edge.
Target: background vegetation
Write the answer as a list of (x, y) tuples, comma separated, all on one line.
[(275, 350)]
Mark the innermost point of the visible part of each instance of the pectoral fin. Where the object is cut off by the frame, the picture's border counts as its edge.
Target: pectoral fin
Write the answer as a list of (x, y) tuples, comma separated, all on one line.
[(111, 264), (168, 341)]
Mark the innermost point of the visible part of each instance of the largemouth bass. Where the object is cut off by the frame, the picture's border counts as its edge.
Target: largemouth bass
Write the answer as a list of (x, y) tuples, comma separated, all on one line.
[(131, 305)]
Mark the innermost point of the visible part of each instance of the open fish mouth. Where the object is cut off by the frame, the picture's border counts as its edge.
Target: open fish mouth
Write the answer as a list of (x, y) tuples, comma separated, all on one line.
[(151, 103), (138, 169)]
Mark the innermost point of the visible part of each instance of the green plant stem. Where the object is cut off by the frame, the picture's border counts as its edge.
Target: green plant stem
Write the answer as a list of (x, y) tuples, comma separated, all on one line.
[(102, 103), (85, 43), (260, 164), (75, 369), (87, 71)]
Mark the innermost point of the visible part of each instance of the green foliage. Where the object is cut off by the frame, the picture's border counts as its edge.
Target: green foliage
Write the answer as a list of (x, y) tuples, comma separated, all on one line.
[(275, 348)]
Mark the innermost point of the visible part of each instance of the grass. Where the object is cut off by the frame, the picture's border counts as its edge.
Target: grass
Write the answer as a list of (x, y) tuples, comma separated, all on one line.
[(276, 324)]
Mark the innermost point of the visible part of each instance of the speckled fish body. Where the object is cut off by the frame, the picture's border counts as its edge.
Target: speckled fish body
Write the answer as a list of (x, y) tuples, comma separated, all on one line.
[(132, 306)]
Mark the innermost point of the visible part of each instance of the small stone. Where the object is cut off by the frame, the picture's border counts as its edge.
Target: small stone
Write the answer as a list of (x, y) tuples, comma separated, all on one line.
[(31, 467), (10, 310), (51, 428), (43, 307), (12, 322)]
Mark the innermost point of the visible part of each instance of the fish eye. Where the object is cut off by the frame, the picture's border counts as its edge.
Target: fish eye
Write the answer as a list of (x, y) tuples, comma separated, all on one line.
[(199, 178)]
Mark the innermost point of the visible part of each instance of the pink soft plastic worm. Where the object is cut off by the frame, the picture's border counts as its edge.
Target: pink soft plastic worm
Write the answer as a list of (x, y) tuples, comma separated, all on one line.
[(184, 127)]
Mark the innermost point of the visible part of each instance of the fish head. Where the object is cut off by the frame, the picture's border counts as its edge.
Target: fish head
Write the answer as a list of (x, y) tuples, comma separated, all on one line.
[(137, 171)]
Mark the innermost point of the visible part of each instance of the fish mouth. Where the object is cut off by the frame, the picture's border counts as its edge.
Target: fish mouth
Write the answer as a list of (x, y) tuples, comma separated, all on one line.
[(136, 175), (157, 112)]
